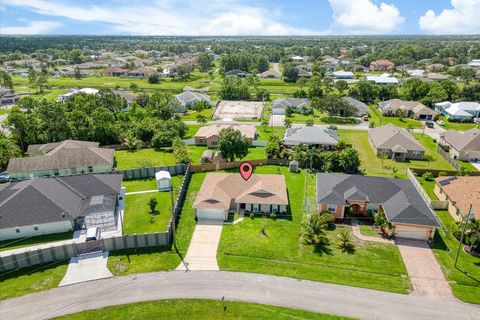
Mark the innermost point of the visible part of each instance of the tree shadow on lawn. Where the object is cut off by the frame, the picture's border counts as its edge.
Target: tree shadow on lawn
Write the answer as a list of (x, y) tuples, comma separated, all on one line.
[(322, 248)]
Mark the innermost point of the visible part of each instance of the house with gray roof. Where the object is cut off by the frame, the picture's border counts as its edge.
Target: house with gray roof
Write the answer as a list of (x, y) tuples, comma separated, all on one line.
[(59, 204), (398, 143), (404, 108), (299, 105), (362, 108), (311, 136), (459, 111), (461, 145), (399, 200), (64, 158), (187, 99)]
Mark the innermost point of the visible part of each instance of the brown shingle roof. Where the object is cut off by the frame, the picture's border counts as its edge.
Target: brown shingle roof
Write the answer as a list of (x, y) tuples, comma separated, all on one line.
[(463, 191), (463, 141), (389, 136), (220, 189)]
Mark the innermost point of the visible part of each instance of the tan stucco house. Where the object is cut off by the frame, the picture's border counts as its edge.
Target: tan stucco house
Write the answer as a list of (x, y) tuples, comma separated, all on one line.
[(460, 192), (418, 110), (398, 143), (460, 145), (208, 135), (222, 193)]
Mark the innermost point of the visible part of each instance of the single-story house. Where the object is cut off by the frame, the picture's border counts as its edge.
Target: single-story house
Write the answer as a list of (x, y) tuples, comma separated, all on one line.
[(300, 105), (298, 59), (164, 180), (398, 143), (342, 74), (128, 97), (115, 72), (407, 108), (187, 99), (64, 158), (398, 199), (59, 204), (461, 145), (383, 79), (222, 193), (474, 63), (236, 73), (271, 74), (419, 73), (381, 65), (140, 72), (208, 135), (304, 74), (460, 111), (64, 97), (362, 108), (460, 192), (312, 136), (7, 97)]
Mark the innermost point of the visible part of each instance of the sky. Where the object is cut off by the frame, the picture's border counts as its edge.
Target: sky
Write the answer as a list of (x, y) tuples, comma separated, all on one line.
[(239, 17)]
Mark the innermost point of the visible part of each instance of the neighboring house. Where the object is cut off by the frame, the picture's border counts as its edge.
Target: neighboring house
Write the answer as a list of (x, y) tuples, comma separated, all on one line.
[(460, 192), (300, 105), (81, 73), (398, 143), (115, 72), (396, 107), (460, 111), (381, 65), (342, 74), (236, 73), (64, 158), (304, 74), (187, 99), (59, 204), (92, 65), (271, 74), (140, 73), (297, 59), (362, 108), (222, 193), (7, 97), (398, 199), (419, 73), (312, 136), (461, 145), (208, 135), (383, 79), (66, 96), (128, 97), (474, 63)]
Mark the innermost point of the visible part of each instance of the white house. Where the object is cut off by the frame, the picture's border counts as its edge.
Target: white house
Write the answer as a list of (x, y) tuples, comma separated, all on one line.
[(383, 79), (459, 111), (164, 180), (66, 96)]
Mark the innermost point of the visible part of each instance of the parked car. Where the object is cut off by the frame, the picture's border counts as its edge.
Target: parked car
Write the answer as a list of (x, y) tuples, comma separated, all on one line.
[(4, 177), (441, 122), (93, 234), (430, 124)]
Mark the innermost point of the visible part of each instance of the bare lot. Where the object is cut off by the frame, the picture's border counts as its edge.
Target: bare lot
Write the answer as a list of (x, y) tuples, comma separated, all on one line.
[(239, 110)]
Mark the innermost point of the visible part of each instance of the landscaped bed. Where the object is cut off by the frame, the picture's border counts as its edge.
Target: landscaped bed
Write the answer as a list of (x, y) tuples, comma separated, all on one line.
[(281, 251)]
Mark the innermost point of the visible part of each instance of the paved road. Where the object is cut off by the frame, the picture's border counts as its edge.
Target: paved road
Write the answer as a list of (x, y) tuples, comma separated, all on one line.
[(248, 287)]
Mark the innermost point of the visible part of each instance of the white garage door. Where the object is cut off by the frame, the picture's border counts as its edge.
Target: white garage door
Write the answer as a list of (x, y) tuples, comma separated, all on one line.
[(278, 111), (411, 232), (210, 214)]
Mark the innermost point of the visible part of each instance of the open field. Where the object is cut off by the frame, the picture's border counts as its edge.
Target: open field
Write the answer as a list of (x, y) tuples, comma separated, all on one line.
[(372, 165), (281, 251), (198, 309), (377, 117)]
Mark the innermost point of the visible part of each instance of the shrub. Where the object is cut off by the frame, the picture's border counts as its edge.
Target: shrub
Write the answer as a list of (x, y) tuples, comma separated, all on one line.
[(273, 216), (339, 120), (427, 176), (442, 174), (252, 215)]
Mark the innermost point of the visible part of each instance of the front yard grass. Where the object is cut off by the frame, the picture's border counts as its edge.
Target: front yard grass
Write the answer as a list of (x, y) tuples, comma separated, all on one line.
[(14, 283), (366, 229), (191, 115), (465, 278), (25, 242), (461, 126), (243, 247), (372, 165), (379, 120), (137, 217), (198, 309)]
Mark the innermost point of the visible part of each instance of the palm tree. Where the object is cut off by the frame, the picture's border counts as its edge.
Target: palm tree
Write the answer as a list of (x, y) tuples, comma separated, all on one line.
[(201, 119), (8, 149), (307, 155), (314, 231), (132, 143), (344, 241), (287, 123)]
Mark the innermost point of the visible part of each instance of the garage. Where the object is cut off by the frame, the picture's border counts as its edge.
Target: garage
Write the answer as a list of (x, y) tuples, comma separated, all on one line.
[(211, 214), (411, 232), (278, 111)]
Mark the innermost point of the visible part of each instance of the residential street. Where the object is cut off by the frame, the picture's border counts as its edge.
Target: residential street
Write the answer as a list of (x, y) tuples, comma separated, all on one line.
[(248, 287)]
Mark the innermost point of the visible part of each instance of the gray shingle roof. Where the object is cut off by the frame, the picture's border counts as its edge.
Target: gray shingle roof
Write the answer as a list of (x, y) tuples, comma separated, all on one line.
[(45, 200), (390, 136), (310, 136), (399, 198), (362, 108)]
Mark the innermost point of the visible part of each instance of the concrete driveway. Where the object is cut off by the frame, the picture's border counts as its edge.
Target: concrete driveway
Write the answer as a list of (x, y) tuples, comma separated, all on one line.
[(88, 267), (423, 269), (277, 120), (202, 251)]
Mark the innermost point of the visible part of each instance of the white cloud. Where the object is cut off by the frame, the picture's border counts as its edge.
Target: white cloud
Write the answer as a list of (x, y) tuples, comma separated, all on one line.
[(364, 17), (463, 18), (32, 27), (180, 17)]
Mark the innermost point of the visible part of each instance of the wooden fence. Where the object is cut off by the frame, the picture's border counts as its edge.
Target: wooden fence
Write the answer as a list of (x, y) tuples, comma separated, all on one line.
[(235, 164), (447, 157), (142, 173)]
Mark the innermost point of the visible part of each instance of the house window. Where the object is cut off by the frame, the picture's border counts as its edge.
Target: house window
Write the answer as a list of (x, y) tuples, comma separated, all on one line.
[(416, 153), (201, 141), (213, 143), (90, 169), (242, 206), (17, 230), (331, 208), (35, 228)]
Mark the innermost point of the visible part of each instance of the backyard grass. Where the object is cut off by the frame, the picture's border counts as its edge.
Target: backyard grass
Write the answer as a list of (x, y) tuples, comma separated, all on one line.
[(372, 165), (281, 251), (25, 242), (137, 217), (192, 129), (198, 309), (465, 278), (16, 283), (467, 166), (144, 158), (139, 185), (461, 126), (428, 186), (264, 133), (377, 117)]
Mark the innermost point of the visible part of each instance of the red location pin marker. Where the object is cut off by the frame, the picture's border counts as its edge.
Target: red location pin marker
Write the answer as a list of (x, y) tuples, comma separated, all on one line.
[(246, 170)]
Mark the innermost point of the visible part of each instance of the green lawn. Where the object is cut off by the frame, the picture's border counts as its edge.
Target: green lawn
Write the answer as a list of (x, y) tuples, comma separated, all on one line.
[(192, 129), (25, 242), (139, 185), (264, 133), (29, 280), (366, 229), (137, 217), (144, 158), (428, 186), (377, 117), (461, 126), (243, 247), (192, 114), (372, 165), (467, 165), (198, 309), (465, 278)]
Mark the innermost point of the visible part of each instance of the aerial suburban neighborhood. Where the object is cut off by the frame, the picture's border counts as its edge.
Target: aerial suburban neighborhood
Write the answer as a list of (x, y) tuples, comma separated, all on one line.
[(240, 160)]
